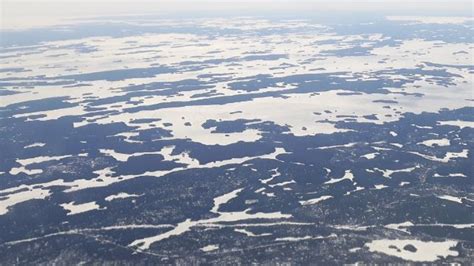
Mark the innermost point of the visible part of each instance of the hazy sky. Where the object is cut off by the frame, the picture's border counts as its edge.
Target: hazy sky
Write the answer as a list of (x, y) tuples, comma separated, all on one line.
[(20, 13)]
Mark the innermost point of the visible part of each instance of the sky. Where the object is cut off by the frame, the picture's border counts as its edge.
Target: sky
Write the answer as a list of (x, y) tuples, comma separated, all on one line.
[(27, 13)]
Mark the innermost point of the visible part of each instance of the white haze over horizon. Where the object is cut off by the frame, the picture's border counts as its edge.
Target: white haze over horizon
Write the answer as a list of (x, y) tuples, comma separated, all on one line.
[(18, 14)]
